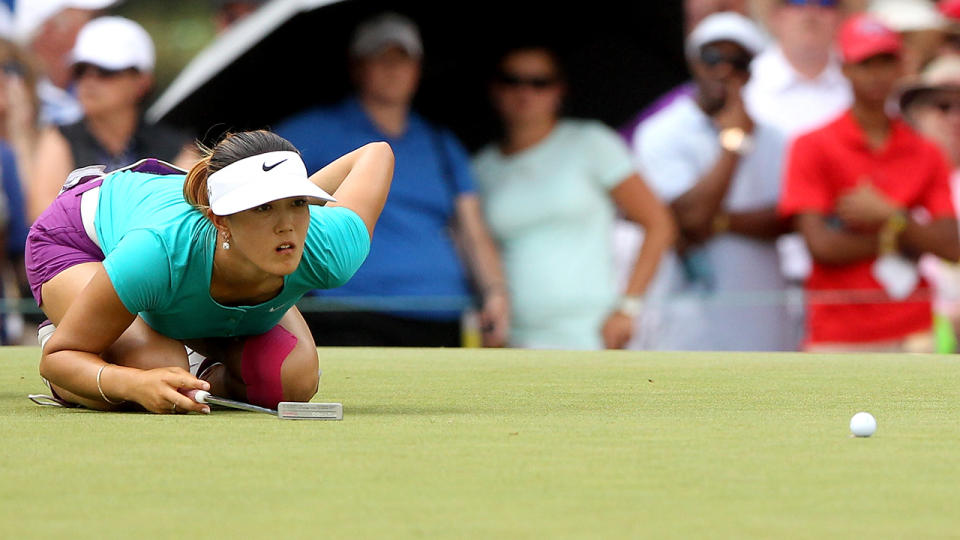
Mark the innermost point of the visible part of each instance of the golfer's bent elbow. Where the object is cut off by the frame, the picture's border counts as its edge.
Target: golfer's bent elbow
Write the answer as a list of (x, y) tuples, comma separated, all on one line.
[(365, 188)]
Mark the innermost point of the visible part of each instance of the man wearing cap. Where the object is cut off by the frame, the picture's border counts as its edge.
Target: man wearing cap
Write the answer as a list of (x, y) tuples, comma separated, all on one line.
[(930, 102), (720, 172), (869, 195), (49, 28), (112, 65), (413, 257)]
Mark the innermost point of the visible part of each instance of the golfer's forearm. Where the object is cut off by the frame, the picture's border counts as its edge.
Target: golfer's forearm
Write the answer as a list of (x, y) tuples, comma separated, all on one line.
[(76, 372), (330, 177), (365, 187)]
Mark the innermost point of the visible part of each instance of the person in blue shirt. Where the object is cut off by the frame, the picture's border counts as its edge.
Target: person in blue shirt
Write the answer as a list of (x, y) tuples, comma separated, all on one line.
[(411, 289), (13, 226), (132, 266)]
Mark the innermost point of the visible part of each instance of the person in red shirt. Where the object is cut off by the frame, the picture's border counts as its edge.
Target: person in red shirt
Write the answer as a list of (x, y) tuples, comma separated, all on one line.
[(869, 195)]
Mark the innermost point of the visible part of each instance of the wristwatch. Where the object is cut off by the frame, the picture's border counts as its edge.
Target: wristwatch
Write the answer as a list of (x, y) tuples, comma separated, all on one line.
[(736, 140), (631, 305)]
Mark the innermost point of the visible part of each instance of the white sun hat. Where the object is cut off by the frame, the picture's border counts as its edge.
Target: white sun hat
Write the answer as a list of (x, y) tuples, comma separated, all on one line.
[(259, 179), (114, 43), (29, 15), (726, 26)]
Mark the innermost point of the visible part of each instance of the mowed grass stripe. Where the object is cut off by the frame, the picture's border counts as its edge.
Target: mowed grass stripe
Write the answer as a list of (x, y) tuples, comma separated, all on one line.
[(514, 444)]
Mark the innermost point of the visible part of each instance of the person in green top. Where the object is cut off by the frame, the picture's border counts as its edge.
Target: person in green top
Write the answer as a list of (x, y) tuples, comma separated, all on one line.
[(133, 266)]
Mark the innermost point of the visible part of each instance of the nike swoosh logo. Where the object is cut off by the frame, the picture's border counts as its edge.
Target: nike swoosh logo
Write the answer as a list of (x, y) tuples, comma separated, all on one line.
[(271, 310), (268, 167)]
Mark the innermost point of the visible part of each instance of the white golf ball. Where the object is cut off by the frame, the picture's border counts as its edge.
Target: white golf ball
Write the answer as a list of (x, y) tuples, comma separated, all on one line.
[(863, 424), (201, 396)]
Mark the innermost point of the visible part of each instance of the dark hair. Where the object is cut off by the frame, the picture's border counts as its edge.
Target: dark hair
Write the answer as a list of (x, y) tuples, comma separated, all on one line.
[(233, 147), (552, 52)]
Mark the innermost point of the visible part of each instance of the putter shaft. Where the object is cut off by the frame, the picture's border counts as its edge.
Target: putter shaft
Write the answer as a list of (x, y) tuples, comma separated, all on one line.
[(224, 402)]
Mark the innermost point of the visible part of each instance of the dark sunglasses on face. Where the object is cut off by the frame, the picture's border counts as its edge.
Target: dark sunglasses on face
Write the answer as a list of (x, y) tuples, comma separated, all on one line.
[(82, 70), (945, 106), (713, 57), (821, 3), (516, 81)]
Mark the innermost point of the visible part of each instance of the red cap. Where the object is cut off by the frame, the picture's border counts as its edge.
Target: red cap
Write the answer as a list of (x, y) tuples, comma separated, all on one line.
[(950, 8), (863, 36)]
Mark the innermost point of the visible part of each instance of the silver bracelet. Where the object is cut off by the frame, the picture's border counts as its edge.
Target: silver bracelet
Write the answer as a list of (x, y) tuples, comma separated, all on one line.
[(104, 396)]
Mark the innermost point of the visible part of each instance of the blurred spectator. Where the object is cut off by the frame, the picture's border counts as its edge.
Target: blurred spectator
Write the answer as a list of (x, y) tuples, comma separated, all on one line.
[(796, 85), (413, 256), (694, 11), (550, 190), (19, 105), (13, 236), (931, 103), (951, 11), (228, 12), (921, 27), (48, 29), (6, 19), (113, 68), (720, 171), (870, 196)]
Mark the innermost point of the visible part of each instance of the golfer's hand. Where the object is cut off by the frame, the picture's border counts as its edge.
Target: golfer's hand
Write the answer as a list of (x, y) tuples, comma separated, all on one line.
[(617, 330), (157, 391), (495, 319)]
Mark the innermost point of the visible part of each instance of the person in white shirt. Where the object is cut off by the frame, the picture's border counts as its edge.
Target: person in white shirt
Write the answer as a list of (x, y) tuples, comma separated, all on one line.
[(796, 85), (720, 172), (48, 29)]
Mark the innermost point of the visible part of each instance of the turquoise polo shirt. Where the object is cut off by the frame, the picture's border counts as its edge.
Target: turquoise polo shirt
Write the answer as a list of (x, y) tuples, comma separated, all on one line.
[(159, 256)]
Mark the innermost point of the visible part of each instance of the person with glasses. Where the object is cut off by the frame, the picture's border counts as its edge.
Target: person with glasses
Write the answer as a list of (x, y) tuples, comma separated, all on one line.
[(720, 172), (112, 64), (870, 196), (432, 254), (930, 102), (551, 188), (694, 11)]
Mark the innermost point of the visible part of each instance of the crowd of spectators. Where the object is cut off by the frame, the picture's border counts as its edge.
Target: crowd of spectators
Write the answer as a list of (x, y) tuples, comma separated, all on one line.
[(797, 193)]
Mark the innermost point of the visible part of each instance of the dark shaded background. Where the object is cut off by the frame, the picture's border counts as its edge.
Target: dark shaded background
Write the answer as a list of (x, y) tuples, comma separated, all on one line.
[(619, 58)]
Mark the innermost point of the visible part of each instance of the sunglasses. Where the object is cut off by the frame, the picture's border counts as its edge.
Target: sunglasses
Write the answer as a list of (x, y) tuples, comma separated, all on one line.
[(821, 3), (83, 69), (713, 58), (945, 106), (517, 81)]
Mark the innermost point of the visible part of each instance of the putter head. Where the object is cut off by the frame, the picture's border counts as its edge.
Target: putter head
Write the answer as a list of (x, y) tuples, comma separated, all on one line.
[(296, 410)]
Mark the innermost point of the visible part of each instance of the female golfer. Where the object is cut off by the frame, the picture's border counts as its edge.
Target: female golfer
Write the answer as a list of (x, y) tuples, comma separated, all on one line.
[(132, 266)]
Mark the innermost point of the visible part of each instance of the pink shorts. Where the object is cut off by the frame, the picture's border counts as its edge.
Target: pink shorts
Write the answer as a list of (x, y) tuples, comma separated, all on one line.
[(57, 240)]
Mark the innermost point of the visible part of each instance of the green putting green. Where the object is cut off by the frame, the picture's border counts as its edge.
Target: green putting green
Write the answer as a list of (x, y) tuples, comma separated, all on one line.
[(509, 444)]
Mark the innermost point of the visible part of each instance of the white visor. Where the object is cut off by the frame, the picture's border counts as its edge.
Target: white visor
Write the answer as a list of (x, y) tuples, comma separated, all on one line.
[(259, 179)]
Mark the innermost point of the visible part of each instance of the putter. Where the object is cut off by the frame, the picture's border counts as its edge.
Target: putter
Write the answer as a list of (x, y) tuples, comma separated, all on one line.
[(286, 410)]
